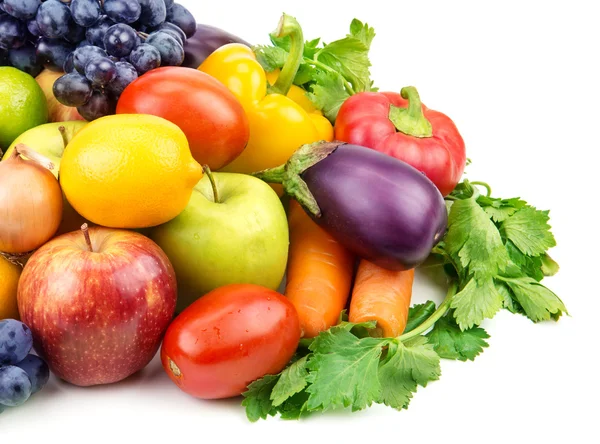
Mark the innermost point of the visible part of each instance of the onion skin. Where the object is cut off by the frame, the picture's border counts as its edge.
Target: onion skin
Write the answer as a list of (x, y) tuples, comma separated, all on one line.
[(30, 202)]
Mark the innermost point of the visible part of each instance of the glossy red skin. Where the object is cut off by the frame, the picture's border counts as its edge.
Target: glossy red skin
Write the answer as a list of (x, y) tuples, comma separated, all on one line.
[(211, 117), (99, 317), (229, 338), (363, 120)]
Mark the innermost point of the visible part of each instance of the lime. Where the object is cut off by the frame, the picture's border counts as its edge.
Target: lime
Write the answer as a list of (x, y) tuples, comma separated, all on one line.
[(22, 104)]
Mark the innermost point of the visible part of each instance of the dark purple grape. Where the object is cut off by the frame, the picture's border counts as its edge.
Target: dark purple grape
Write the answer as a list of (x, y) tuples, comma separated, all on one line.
[(21, 9), (26, 59), (4, 61), (15, 386), (54, 52), (171, 52), (72, 89), (99, 105), (126, 74), (174, 30), (123, 11), (69, 65), (85, 12), (180, 16), (76, 33), (33, 28), (83, 54), (154, 12), (169, 4), (145, 58), (95, 34), (16, 341), (120, 39), (13, 32), (37, 370), (54, 18), (100, 71)]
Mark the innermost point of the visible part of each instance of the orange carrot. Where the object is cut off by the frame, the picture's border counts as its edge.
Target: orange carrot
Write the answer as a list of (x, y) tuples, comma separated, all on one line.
[(319, 273), (381, 295)]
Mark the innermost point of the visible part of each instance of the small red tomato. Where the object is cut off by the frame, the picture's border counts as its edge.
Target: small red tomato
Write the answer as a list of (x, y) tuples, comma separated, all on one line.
[(211, 117), (229, 338)]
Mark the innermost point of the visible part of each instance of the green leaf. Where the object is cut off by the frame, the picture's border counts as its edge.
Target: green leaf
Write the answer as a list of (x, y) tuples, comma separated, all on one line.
[(292, 380), (418, 313), (350, 57), (525, 265), (500, 209), (549, 266), (310, 48), (361, 31), (295, 407), (270, 57), (403, 369), (473, 241), (450, 342), (328, 93), (529, 230), (510, 303), (343, 371), (475, 302), (538, 302), (257, 399)]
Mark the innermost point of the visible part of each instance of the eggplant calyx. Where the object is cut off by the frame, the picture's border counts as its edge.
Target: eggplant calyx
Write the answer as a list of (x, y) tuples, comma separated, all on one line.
[(411, 120), (290, 174)]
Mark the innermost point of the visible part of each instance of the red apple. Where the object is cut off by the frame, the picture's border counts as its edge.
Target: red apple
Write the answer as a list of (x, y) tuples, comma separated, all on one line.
[(98, 305), (57, 112)]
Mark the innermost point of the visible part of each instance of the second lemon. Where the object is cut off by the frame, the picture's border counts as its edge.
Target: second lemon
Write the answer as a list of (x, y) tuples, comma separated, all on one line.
[(129, 171)]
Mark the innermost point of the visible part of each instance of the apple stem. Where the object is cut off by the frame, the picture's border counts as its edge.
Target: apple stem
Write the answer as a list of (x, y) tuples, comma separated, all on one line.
[(63, 133), (208, 172), (86, 234)]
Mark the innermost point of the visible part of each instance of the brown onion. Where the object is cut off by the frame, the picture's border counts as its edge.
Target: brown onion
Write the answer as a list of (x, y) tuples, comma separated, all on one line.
[(30, 201)]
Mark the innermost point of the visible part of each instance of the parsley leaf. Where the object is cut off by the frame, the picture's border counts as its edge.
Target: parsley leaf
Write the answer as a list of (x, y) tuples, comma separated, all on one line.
[(479, 299), (343, 370), (350, 57), (328, 93), (500, 209), (538, 302), (450, 342), (361, 31), (292, 380), (404, 368), (529, 230), (529, 265), (257, 399), (270, 57), (417, 314)]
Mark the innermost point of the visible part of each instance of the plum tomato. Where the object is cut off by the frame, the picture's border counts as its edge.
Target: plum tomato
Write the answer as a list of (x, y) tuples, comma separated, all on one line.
[(228, 338)]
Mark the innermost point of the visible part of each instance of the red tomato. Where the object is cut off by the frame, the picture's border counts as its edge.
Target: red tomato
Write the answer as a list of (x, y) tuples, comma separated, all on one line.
[(229, 338), (211, 117)]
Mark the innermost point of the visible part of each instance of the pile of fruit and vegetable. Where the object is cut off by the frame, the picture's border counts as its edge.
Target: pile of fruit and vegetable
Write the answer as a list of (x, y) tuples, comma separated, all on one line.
[(256, 212)]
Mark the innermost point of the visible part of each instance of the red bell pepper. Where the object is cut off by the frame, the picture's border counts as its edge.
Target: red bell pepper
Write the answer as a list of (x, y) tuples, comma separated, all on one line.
[(400, 126)]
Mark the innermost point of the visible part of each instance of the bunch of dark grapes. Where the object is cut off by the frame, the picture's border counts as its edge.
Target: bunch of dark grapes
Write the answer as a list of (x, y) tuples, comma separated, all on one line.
[(21, 374), (101, 45)]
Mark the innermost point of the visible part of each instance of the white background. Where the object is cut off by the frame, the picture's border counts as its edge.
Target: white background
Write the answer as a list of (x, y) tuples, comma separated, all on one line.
[(520, 80)]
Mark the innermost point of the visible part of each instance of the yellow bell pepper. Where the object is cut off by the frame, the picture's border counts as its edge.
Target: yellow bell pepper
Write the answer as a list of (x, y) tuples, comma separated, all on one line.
[(281, 119)]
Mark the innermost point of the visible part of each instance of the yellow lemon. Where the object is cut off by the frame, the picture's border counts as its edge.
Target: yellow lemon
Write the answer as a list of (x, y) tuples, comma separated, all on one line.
[(129, 171), (9, 278)]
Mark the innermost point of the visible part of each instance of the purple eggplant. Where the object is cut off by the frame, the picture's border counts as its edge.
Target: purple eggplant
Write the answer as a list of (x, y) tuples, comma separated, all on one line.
[(380, 208), (202, 44)]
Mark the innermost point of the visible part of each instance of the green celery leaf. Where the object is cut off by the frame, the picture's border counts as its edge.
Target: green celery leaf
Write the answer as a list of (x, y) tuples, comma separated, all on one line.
[(549, 266), (328, 93), (284, 43), (361, 31), (538, 302), (527, 265), (529, 230), (450, 342), (510, 302), (349, 57), (270, 57), (292, 380), (257, 399), (418, 313), (500, 209), (479, 299), (404, 368), (306, 73), (310, 48), (343, 370), (295, 407)]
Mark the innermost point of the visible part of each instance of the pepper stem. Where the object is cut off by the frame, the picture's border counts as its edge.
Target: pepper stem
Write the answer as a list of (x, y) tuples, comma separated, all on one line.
[(411, 121), (86, 235), (288, 25), (213, 183)]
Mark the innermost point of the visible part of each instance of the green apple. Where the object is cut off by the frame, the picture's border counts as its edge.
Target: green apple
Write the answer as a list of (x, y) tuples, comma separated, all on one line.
[(240, 237), (50, 141)]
